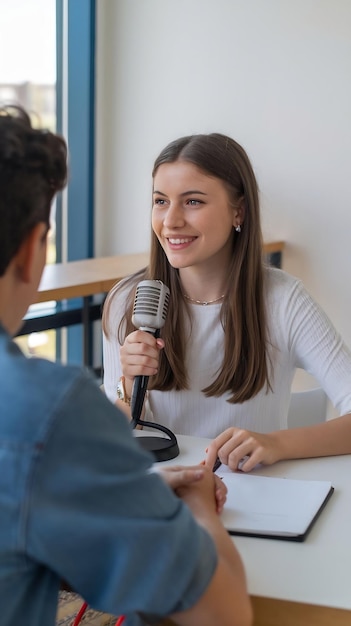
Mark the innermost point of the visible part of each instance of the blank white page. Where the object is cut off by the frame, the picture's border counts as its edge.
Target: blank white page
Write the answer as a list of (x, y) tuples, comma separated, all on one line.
[(271, 507)]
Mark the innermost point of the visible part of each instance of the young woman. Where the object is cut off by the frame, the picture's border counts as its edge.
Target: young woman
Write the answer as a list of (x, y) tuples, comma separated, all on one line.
[(236, 329)]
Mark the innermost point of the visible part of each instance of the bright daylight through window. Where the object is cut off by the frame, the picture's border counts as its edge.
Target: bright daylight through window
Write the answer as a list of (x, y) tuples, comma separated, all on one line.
[(28, 78)]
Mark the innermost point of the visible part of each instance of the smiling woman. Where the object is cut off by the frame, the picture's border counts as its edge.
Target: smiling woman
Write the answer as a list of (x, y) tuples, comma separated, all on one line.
[(236, 329)]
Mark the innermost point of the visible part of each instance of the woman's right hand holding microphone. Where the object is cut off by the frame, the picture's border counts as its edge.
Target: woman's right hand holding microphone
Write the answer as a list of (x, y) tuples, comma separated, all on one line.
[(139, 356)]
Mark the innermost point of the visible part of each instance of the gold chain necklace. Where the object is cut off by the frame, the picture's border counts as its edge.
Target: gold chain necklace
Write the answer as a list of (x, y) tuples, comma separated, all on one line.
[(205, 302)]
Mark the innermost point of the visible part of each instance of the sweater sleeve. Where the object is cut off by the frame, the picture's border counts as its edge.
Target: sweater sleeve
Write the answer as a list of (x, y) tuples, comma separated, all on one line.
[(110, 345), (317, 347)]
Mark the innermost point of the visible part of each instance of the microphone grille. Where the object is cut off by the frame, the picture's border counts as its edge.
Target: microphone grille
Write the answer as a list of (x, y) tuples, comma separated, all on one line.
[(150, 305)]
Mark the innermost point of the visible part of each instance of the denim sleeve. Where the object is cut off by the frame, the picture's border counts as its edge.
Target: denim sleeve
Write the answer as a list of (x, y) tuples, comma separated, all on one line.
[(112, 530)]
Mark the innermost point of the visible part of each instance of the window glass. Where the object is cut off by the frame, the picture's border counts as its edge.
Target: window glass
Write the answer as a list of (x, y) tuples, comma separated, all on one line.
[(28, 78)]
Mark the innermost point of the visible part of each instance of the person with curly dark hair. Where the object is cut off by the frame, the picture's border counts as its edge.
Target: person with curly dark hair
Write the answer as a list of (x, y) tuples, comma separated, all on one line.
[(79, 501)]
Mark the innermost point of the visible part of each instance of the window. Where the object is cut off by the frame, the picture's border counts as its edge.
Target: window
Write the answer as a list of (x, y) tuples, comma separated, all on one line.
[(28, 78), (59, 86)]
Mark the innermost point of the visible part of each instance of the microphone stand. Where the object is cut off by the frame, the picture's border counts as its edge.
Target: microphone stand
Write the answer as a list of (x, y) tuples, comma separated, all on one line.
[(149, 312), (163, 448)]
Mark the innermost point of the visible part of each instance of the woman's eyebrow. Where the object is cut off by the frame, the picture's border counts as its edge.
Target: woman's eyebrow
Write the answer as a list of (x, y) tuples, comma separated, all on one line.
[(184, 193), (197, 191)]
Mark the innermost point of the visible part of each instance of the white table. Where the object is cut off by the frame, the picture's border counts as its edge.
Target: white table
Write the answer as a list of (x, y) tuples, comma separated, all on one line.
[(299, 584)]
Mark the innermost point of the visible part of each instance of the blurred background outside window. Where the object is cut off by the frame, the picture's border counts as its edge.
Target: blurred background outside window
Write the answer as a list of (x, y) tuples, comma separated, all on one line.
[(28, 78)]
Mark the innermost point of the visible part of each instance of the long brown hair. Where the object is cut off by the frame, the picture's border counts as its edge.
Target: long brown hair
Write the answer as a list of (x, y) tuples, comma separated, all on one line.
[(244, 369)]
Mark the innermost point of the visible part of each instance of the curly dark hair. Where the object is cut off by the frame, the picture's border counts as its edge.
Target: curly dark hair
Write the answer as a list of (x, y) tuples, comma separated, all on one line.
[(33, 168)]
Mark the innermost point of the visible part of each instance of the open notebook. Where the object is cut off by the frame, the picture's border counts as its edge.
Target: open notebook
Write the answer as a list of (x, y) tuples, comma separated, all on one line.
[(275, 508)]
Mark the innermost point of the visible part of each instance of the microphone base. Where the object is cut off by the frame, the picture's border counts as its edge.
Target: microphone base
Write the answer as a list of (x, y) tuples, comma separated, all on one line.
[(163, 449)]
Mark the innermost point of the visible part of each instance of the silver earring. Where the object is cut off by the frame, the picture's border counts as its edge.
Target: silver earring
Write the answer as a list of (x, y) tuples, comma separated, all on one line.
[(238, 228)]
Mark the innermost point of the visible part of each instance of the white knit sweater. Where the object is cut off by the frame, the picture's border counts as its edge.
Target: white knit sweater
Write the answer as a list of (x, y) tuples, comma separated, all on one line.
[(301, 336)]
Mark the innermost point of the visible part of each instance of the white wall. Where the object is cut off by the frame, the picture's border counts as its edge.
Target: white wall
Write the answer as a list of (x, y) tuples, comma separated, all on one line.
[(274, 75)]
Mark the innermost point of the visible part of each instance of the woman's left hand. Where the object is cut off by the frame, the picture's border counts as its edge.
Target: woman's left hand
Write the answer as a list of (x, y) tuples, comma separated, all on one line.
[(236, 446)]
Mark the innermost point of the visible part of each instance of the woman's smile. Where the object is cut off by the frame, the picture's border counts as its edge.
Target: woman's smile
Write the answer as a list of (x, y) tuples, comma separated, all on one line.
[(179, 243)]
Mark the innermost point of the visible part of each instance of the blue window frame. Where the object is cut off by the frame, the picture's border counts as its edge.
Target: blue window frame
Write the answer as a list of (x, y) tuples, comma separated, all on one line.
[(76, 120)]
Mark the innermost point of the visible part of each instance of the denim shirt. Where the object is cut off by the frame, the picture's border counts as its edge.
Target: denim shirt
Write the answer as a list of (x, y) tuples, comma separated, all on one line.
[(77, 503)]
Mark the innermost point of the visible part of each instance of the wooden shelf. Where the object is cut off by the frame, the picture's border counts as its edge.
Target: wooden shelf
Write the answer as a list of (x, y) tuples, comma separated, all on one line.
[(78, 279)]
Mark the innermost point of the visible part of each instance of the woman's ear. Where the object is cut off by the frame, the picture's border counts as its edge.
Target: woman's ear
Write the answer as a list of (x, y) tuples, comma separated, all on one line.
[(239, 214), (31, 255)]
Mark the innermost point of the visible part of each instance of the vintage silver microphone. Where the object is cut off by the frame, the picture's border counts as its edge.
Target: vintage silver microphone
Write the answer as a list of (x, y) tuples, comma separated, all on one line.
[(149, 314)]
